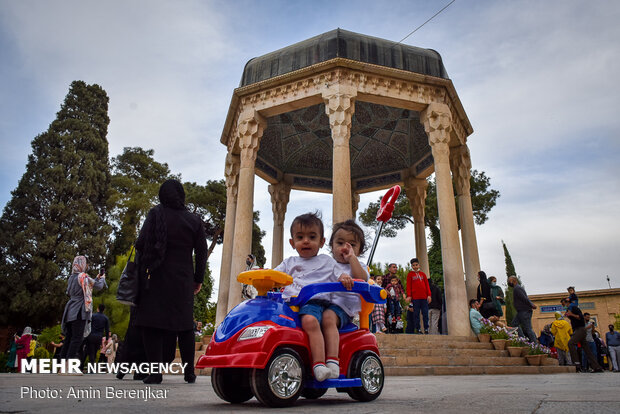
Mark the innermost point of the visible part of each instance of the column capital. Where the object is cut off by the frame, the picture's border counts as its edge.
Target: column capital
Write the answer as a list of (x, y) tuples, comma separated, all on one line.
[(250, 127), (280, 193), (415, 189), (460, 164), (437, 121), (231, 173), (339, 107)]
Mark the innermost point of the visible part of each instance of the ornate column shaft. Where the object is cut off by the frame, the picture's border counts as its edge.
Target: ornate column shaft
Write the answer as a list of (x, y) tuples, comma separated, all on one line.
[(231, 173), (416, 194), (250, 129), (437, 121), (460, 162), (280, 193), (340, 106)]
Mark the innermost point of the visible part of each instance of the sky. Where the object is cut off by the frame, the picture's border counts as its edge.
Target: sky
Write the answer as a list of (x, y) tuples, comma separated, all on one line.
[(538, 81)]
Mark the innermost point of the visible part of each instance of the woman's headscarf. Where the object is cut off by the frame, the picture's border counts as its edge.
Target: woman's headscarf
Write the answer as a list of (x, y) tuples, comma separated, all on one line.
[(79, 265), (27, 331), (558, 316), (171, 195), (86, 283)]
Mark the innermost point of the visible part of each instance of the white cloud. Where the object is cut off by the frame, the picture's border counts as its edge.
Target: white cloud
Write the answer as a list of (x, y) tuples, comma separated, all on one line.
[(537, 80)]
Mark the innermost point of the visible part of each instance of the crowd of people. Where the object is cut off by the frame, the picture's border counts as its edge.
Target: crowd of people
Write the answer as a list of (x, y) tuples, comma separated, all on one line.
[(171, 258), (422, 297), (572, 336)]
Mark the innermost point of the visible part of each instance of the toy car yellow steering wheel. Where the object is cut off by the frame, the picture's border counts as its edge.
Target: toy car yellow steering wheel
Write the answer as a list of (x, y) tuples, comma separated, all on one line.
[(264, 279)]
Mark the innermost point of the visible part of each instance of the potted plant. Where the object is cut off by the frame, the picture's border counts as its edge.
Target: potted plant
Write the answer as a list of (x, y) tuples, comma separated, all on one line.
[(516, 345), (536, 354), (485, 330), (499, 337)]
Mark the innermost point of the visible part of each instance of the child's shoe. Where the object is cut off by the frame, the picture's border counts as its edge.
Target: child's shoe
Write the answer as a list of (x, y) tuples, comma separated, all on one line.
[(321, 372), (334, 368)]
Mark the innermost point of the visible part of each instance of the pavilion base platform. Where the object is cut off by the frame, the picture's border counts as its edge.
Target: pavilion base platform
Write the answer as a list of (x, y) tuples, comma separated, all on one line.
[(405, 355)]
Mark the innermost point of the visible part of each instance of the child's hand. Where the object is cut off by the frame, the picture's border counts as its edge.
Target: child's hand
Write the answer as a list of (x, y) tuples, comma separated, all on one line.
[(347, 252), (346, 280)]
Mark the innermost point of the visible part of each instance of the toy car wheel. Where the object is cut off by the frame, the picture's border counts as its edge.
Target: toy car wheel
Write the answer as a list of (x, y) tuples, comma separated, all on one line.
[(280, 383), (313, 393), (232, 384), (367, 366)]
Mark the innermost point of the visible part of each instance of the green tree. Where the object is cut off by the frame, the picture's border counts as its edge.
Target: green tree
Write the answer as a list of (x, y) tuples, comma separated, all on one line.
[(136, 178), (201, 300), (257, 242), (483, 199), (510, 271), (115, 311), (209, 202), (58, 210)]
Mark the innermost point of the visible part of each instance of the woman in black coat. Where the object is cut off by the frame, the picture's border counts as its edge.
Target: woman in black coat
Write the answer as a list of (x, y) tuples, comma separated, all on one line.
[(484, 297), (169, 279)]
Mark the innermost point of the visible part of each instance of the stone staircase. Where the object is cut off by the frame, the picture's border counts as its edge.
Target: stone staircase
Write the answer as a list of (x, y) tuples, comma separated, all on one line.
[(404, 355), (453, 355)]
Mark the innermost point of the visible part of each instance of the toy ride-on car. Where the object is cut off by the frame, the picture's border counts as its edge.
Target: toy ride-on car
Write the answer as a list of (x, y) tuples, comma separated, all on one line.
[(260, 349)]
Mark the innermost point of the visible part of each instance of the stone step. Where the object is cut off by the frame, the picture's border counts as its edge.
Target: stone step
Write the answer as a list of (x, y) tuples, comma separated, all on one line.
[(443, 352), (395, 340), (477, 370), (447, 360), (438, 345)]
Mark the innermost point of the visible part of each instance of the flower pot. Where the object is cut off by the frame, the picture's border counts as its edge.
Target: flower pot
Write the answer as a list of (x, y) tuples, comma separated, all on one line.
[(533, 359), (524, 351), (484, 337), (543, 357), (515, 351), (499, 344)]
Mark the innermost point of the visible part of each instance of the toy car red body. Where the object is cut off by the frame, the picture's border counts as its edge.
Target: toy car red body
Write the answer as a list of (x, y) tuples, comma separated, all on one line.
[(260, 349)]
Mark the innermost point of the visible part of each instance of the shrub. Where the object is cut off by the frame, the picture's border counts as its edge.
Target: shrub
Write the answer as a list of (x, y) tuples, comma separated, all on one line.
[(41, 353), (4, 358)]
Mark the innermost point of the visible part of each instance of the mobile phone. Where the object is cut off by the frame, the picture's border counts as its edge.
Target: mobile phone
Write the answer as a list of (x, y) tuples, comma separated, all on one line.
[(102, 270)]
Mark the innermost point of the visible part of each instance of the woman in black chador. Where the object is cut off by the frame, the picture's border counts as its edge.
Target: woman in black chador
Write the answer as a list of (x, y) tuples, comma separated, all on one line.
[(169, 278)]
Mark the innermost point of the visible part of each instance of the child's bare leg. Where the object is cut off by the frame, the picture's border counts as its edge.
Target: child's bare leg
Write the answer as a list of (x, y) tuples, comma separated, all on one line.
[(311, 326), (329, 326)]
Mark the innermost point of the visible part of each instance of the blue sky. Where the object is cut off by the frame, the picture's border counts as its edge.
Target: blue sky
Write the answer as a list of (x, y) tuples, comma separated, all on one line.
[(538, 81)]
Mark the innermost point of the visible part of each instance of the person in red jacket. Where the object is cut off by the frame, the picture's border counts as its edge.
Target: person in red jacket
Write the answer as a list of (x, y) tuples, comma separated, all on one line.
[(418, 293)]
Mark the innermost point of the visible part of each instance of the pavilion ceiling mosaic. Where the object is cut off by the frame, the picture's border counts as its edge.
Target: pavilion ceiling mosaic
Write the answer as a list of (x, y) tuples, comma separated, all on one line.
[(383, 140)]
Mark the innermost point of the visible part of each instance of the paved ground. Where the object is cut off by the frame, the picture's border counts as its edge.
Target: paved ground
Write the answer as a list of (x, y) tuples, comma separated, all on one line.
[(559, 393)]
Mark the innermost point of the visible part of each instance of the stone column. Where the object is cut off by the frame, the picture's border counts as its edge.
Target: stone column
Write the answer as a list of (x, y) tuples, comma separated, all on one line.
[(460, 162), (231, 172), (355, 202), (437, 121), (250, 129), (340, 106), (416, 194), (279, 199)]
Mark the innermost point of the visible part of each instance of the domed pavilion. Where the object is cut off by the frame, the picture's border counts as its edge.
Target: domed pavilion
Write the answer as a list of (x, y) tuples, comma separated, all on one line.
[(345, 113)]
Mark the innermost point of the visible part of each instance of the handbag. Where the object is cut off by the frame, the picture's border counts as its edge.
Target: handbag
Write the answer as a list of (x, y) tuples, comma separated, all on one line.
[(127, 292)]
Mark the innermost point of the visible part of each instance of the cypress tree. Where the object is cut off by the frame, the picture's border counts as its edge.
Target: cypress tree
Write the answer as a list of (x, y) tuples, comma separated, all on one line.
[(57, 211), (510, 271)]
